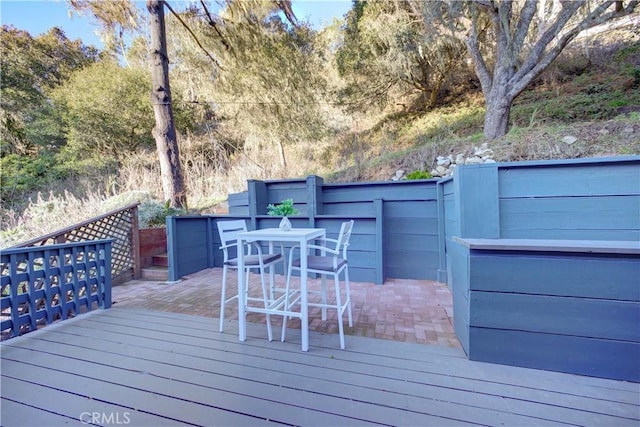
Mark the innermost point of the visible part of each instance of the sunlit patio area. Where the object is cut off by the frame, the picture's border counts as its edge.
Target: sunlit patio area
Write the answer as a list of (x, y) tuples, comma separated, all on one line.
[(407, 310)]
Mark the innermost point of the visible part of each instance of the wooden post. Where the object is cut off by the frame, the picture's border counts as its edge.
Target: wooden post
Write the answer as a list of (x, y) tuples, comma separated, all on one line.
[(257, 200), (378, 205), (314, 198), (477, 204), (135, 244)]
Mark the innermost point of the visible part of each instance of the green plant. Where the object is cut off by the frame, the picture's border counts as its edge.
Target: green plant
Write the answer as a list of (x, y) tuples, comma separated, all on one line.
[(154, 214), (419, 175), (285, 208)]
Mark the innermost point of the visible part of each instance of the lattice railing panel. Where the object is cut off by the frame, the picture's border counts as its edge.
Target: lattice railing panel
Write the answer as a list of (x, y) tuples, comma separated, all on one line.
[(40, 285), (116, 227), (119, 226)]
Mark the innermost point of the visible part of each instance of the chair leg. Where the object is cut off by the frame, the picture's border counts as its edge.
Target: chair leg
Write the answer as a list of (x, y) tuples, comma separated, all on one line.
[(323, 294), (286, 305), (348, 301), (339, 308), (223, 297), (266, 303)]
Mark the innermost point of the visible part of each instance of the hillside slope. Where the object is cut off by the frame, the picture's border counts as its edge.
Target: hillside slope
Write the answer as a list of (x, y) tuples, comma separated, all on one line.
[(587, 104)]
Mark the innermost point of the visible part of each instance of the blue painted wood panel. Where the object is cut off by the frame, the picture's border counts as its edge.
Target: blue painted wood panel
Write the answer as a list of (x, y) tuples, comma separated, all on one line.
[(458, 272), (543, 308), (579, 275), (477, 204), (389, 191), (238, 203), (586, 180), (360, 208), (619, 214), (408, 264), (579, 355), (277, 195), (584, 317), (189, 245)]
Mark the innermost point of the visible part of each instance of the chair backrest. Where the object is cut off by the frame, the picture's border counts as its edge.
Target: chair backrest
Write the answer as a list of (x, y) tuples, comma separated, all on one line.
[(344, 236), (228, 231)]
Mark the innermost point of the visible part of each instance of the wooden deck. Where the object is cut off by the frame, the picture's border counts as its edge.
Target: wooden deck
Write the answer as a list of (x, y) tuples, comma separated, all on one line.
[(134, 367)]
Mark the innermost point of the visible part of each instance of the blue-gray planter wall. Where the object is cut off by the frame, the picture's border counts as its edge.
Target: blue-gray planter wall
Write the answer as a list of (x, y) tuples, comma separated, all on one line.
[(396, 232), (543, 259)]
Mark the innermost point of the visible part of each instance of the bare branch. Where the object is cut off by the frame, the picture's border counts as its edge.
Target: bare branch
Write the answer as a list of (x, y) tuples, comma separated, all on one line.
[(214, 24), (184, 24), (285, 7), (522, 29), (533, 59), (535, 65), (474, 50)]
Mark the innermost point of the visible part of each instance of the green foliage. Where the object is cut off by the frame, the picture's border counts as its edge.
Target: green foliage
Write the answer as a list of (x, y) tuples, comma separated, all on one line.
[(285, 208), (635, 73), (389, 53), (270, 89), (107, 111), (22, 175), (154, 214), (31, 68), (151, 212), (419, 175)]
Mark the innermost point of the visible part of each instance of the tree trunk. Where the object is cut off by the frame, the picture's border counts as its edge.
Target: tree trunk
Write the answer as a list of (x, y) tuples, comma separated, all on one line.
[(164, 131), (496, 118), (283, 158)]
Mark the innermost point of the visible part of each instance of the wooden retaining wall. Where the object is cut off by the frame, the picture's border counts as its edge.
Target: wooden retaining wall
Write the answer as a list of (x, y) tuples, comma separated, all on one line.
[(569, 299), (396, 232)]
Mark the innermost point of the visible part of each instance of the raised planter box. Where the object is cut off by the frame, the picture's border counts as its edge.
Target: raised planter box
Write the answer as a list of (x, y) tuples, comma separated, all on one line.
[(560, 305)]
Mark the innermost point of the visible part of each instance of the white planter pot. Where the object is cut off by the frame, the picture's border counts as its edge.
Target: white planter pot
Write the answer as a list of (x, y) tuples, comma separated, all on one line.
[(285, 224)]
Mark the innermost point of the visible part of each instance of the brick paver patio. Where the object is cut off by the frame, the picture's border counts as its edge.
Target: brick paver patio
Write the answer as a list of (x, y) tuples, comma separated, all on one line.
[(402, 309)]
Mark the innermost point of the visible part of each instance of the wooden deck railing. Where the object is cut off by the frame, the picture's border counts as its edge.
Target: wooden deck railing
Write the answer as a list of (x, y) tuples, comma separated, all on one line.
[(40, 285), (121, 226)]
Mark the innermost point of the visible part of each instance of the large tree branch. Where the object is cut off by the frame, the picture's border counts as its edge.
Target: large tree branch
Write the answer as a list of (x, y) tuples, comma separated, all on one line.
[(473, 47), (214, 24), (522, 29), (536, 62), (533, 59)]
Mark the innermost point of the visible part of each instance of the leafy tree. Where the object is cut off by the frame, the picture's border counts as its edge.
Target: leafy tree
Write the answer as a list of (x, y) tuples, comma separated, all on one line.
[(31, 128), (106, 111), (116, 18), (513, 42), (267, 86), (388, 53), (31, 68)]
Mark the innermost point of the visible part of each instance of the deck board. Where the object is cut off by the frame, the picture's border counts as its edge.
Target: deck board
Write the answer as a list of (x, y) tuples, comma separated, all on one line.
[(167, 369), (20, 414)]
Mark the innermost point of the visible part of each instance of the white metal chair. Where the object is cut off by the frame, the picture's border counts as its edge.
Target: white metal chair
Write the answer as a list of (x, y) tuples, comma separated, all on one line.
[(254, 260), (332, 261)]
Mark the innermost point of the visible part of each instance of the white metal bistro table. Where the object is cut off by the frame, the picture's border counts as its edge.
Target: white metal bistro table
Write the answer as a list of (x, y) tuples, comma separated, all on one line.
[(300, 236)]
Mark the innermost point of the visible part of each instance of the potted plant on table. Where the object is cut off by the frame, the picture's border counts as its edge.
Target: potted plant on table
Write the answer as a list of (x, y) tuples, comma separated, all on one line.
[(284, 209)]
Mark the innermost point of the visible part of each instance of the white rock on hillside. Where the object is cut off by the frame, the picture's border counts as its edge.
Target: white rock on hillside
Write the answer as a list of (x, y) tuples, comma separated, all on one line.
[(446, 165)]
